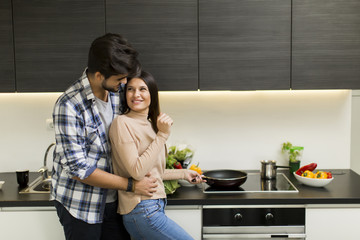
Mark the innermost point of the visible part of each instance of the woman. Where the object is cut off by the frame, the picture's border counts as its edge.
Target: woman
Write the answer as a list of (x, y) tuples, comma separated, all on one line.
[(138, 148)]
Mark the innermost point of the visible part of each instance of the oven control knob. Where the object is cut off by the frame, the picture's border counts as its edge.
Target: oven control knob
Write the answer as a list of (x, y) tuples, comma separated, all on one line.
[(269, 217), (238, 217)]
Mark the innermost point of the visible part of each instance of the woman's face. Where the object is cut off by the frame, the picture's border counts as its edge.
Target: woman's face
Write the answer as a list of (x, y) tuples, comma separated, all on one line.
[(138, 95)]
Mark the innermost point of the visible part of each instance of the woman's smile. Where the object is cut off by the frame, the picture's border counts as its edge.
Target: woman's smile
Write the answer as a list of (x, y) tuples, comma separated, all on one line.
[(138, 95)]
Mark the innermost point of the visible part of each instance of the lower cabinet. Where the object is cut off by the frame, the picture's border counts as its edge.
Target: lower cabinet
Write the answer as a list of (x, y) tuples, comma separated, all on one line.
[(188, 217), (332, 223), (30, 223)]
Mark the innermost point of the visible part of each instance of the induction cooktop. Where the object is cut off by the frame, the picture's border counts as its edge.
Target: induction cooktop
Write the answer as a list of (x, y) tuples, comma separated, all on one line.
[(255, 184)]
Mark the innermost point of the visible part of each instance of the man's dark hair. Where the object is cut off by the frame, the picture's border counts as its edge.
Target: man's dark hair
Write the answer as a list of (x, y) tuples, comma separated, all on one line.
[(112, 54)]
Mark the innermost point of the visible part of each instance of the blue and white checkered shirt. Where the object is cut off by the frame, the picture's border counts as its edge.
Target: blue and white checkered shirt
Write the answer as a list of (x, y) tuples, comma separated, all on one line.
[(81, 147)]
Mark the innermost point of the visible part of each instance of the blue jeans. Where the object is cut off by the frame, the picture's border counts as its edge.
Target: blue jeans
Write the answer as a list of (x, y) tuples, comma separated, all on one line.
[(148, 221)]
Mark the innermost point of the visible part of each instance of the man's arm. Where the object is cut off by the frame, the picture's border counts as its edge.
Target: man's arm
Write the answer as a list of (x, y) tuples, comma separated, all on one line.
[(99, 178)]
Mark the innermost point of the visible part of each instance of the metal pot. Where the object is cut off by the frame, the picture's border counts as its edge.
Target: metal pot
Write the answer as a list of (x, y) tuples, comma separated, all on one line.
[(268, 169), (225, 178)]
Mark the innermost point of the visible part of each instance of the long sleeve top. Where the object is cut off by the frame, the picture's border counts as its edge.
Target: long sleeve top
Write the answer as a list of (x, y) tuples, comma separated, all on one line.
[(136, 151), (81, 147)]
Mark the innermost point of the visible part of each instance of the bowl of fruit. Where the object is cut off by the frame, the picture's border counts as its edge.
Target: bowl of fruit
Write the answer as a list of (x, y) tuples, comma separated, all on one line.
[(308, 176)]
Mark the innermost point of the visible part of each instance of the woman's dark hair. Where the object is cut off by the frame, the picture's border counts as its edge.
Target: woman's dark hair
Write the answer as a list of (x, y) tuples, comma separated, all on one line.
[(154, 108), (112, 54)]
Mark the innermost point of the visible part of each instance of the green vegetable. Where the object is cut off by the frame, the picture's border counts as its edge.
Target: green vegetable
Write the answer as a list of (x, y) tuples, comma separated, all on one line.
[(182, 155), (171, 186), (176, 156)]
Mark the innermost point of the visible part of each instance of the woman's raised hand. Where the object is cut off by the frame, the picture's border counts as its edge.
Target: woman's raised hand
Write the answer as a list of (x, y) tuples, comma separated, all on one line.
[(164, 123)]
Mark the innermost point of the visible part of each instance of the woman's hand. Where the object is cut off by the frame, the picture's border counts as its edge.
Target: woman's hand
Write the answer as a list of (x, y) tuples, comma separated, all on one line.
[(193, 177), (164, 123)]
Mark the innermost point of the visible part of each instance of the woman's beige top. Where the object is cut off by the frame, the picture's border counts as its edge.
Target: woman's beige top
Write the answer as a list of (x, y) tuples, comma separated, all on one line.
[(138, 150)]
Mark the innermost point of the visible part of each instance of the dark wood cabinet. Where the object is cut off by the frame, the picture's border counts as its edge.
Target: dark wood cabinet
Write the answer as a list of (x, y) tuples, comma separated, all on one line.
[(165, 32), (52, 40), (244, 44), (186, 44), (326, 44), (7, 71)]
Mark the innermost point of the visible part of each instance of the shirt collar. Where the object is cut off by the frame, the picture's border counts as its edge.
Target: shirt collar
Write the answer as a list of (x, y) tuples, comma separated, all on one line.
[(87, 87)]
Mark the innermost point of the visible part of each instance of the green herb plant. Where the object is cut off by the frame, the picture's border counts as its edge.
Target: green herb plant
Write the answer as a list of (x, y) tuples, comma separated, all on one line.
[(294, 152)]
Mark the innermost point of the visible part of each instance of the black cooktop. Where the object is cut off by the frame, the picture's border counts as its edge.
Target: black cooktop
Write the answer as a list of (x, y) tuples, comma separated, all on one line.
[(255, 184)]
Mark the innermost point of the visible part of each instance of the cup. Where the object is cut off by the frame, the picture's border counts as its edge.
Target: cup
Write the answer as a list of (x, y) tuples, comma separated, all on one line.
[(22, 177)]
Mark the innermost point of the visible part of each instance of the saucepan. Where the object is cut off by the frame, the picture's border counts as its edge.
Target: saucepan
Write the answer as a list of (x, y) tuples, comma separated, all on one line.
[(268, 169), (225, 178)]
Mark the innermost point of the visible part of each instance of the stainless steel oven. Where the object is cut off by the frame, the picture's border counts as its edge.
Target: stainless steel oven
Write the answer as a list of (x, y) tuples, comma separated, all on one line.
[(253, 222)]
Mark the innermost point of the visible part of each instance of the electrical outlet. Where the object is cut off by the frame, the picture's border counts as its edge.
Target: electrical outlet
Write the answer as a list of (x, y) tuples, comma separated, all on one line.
[(49, 123)]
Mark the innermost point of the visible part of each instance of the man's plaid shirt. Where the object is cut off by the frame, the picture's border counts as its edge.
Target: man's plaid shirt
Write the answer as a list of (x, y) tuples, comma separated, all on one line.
[(81, 147)]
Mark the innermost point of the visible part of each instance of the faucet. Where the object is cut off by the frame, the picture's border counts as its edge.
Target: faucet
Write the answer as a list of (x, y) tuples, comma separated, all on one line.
[(44, 170)]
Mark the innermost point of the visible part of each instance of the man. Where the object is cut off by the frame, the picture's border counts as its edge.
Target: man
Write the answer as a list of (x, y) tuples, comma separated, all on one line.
[(83, 186)]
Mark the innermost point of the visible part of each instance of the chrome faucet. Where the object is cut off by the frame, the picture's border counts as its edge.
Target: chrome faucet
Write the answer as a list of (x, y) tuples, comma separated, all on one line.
[(44, 170)]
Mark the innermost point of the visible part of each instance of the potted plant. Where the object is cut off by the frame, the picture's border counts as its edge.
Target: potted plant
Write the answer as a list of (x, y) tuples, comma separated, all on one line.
[(294, 154)]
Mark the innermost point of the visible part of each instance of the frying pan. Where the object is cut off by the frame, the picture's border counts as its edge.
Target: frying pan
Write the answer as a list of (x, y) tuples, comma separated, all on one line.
[(224, 178)]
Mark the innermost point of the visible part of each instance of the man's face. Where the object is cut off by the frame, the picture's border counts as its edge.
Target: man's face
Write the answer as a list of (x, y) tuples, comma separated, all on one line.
[(113, 83)]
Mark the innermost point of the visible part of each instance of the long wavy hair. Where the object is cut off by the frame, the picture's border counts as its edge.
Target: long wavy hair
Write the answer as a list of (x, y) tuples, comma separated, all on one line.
[(154, 108)]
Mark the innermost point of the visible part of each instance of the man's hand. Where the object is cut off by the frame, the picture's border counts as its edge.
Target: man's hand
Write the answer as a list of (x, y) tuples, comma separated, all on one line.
[(146, 186)]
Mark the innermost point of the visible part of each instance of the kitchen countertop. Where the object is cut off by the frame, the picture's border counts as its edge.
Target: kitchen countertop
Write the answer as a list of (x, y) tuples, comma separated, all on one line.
[(344, 189)]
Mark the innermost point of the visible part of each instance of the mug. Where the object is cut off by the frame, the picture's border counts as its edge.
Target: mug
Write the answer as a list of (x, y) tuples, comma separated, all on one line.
[(22, 177)]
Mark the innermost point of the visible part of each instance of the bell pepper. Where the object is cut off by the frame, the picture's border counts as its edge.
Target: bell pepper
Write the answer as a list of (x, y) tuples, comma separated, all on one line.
[(195, 168), (321, 175), (308, 174), (311, 167), (177, 165)]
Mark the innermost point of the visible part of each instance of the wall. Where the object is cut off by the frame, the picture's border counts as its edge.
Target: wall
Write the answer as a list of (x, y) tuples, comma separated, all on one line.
[(227, 129), (355, 131)]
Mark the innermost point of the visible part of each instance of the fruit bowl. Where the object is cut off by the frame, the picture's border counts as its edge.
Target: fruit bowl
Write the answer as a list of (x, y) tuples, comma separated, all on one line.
[(313, 182)]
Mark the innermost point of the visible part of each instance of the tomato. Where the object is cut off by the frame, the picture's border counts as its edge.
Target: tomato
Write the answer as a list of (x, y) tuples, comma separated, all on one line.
[(329, 175), (177, 165), (308, 174), (195, 168), (321, 175)]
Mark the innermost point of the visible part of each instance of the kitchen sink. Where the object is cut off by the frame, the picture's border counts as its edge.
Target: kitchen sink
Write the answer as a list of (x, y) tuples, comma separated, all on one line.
[(39, 185)]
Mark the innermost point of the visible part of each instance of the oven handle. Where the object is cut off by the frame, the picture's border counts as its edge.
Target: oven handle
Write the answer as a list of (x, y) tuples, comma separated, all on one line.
[(254, 236)]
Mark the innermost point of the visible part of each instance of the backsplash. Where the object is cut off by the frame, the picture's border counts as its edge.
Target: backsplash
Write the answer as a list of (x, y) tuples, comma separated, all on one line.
[(227, 129)]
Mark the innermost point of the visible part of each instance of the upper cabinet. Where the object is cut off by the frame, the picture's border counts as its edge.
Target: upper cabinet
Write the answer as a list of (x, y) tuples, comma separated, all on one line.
[(244, 44), (7, 71), (165, 33), (186, 44), (52, 40), (326, 44)]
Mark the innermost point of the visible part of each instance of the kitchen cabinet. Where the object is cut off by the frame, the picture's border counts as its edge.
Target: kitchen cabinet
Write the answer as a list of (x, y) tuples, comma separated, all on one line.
[(40, 223), (244, 44), (52, 40), (326, 45), (332, 222), (188, 217), (7, 70), (166, 35)]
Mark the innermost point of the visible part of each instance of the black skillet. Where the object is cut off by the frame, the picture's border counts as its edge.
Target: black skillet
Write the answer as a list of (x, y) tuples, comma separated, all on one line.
[(224, 178)]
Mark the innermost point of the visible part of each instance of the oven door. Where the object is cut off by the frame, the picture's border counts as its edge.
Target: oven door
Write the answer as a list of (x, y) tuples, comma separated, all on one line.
[(258, 232), (253, 222)]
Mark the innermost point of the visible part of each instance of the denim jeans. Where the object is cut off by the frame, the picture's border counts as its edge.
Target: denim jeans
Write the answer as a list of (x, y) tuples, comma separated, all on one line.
[(148, 221)]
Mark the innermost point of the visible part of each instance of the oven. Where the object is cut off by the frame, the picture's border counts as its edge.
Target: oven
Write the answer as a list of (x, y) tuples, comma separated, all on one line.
[(253, 222)]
